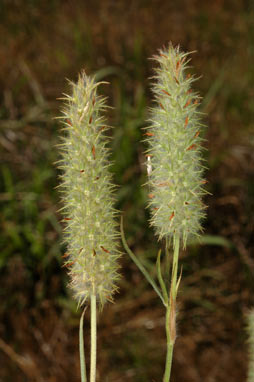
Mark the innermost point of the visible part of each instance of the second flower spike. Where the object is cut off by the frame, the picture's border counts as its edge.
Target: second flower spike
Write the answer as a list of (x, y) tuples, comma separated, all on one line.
[(174, 154)]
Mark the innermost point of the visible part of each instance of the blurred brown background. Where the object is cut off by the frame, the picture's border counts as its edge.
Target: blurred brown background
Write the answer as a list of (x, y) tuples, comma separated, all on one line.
[(42, 44)]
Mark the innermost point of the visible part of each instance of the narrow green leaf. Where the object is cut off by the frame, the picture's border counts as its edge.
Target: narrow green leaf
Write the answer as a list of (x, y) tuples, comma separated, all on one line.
[(139, 265), (212, 240)]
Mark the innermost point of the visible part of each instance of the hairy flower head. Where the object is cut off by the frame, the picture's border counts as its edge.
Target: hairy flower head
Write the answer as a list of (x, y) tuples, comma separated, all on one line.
[(87, 195), (175, 168)]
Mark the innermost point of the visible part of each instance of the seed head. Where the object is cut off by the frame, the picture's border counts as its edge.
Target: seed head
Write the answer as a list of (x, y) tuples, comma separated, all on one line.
[(87, 195), (175, 161)]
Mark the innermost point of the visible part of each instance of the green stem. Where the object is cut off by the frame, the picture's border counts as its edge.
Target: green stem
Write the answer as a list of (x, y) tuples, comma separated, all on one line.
[(170, 323), (175, 266), (93, 339), (81, 349), (170, 346)]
